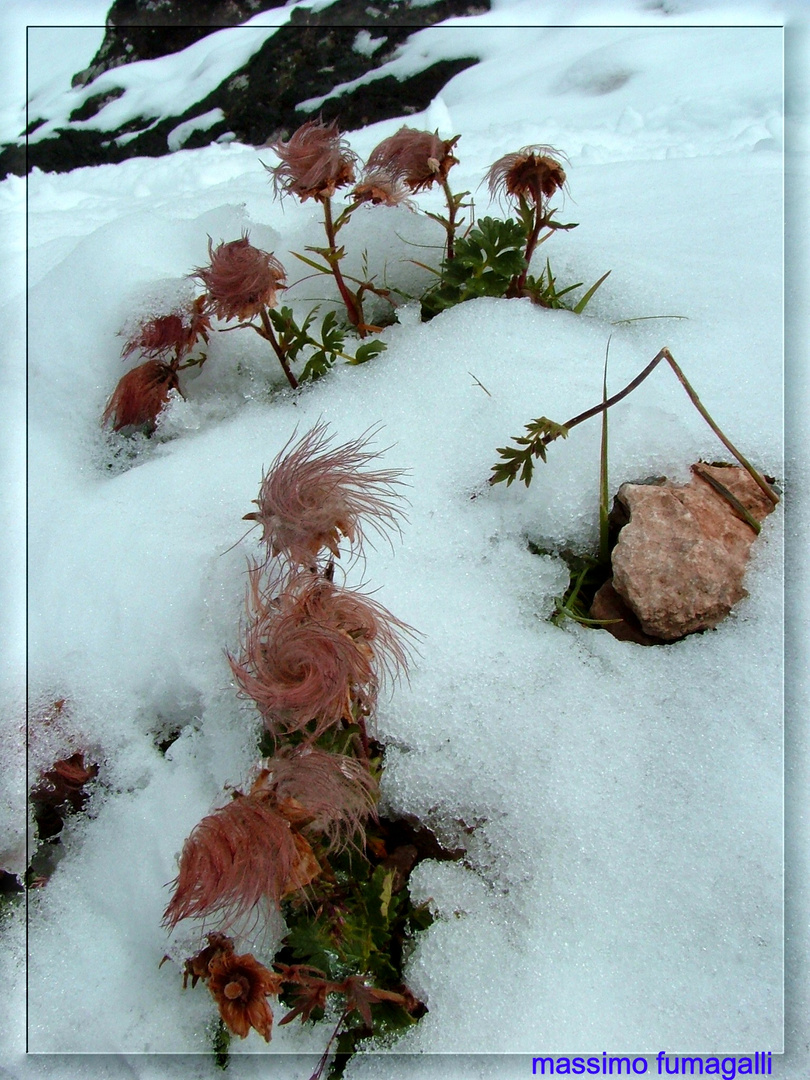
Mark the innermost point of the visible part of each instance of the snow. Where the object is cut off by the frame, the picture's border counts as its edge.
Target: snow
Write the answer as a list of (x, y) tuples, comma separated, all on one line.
[(180, 135), (625, 883)]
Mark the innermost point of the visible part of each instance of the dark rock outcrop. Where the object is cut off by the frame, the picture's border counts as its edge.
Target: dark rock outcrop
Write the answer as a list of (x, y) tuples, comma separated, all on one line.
[(307, 58)]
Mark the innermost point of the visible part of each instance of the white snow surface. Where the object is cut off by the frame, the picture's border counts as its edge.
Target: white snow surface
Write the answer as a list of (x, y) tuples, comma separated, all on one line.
[(621, 806)]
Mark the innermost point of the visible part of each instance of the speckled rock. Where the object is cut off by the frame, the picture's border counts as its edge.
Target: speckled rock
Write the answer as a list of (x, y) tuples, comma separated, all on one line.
[(680, 560)]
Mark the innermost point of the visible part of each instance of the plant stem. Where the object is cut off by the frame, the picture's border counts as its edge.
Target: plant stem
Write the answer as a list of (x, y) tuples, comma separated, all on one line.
[(270, 336), (760, 480), (451, 219), (353, 306), (531, 244), (604, 492)]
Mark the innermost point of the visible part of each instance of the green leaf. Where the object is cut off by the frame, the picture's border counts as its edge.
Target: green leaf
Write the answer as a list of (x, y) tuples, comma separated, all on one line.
[(368, 351), (312, 944), (317, 365), (518, 461), (484, 264), (583, 303), (313, 264)]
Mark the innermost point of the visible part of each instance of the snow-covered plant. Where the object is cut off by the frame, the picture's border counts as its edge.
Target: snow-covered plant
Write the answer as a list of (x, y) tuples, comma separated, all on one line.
[(589, 572), (494, 256), (414, 161), (518, 461), (166, 340), (314, 655), (243, 283)]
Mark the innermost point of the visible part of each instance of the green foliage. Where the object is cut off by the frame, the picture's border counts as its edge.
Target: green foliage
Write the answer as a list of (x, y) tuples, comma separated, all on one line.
[(366, 352), (543, 291), (518, 461), (326, 351), (352, 922), (587, 576), (485, 263), (221, 1041), (296, 342), (491, 261)]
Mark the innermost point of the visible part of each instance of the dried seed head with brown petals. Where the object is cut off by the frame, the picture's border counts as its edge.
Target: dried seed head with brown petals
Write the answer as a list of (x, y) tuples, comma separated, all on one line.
[(176, 333), (533, 173), (330, 794), (315, 161), (314, 494), (196, 967), (140, 396), (238, 856), (418, 158), (241, 279), (240, 985)]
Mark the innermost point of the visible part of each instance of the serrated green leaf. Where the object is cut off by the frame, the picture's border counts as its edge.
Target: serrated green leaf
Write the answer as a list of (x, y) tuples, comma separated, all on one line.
[(368, 351)]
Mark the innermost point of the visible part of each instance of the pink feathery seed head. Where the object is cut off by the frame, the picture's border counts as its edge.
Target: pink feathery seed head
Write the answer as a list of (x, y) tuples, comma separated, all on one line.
[(533, 172), (314, 162), (300, 670), (418, 158), (314, 494), (329, 794), (241, 279), (236, 857), (379, 634), (176, 333), (140, 395), (381, 188)]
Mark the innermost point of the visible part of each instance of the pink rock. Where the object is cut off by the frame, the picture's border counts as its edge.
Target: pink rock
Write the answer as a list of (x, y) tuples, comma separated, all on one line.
[(679, 562), (617, 618)]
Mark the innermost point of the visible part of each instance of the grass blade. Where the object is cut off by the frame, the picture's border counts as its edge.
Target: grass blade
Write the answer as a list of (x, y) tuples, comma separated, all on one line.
[(583, 303)]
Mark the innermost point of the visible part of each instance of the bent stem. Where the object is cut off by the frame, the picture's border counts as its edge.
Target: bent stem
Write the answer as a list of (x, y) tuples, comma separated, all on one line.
[(535, 447), (353, 304), (665, 354)]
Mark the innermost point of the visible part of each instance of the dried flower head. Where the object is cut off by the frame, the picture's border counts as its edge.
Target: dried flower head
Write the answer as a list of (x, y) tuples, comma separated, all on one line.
[(315, 161), (240, 985), (196, 967), (380, 187), (240, 855), (59, 790), (314, 494), (330, 794), (375, 631), (176, 333), (300, 670), (140, 396), (241, 279), (533, 173), (418, 158)]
